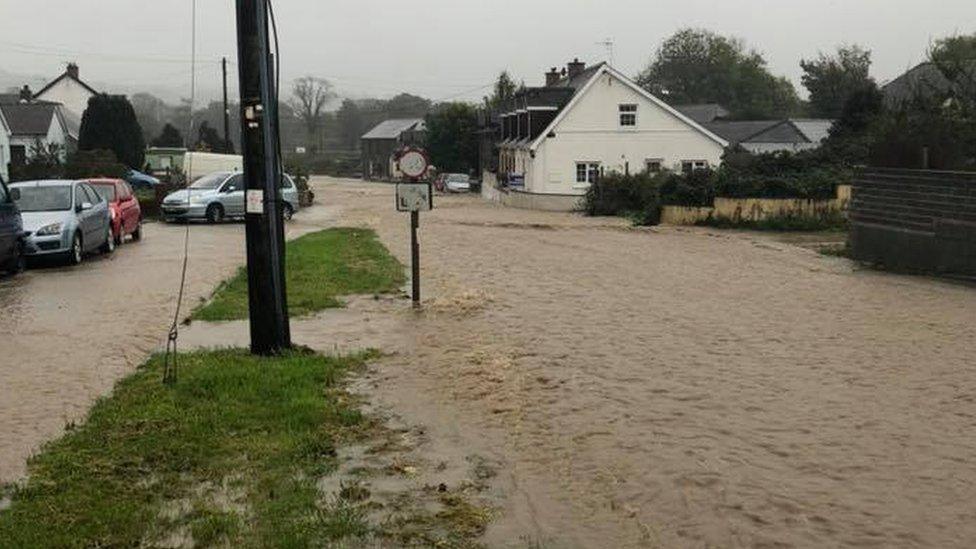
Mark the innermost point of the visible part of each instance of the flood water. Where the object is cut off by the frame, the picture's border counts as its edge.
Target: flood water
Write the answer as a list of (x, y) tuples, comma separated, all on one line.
[(683, 387)]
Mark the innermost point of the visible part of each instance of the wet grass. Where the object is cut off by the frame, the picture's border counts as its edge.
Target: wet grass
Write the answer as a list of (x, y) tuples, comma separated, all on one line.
[(320, 267), (235, 454), (230, 454)]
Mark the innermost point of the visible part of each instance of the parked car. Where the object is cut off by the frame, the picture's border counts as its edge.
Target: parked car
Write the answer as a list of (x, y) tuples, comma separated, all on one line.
[(11, 233), (140, 181), (457, 183), (63, 219), (219, 196), (123, 207)]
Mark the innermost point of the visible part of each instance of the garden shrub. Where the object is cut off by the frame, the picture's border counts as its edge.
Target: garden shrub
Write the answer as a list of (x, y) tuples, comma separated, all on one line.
[(636, 197)]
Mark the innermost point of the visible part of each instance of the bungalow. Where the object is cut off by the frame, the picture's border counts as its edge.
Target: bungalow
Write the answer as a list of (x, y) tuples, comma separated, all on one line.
[(72, 93), (33, 122), (763, 136), (381, 144), (554, 141)]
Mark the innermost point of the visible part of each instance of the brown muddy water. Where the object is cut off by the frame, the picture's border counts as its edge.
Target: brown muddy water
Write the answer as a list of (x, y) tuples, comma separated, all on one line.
[(666, 387), (68, 334), (671, 387)]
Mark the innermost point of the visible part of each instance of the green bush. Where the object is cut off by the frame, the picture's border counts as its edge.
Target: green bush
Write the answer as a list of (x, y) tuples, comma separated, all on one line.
[(695, 189), (636, 197), (806, 175)]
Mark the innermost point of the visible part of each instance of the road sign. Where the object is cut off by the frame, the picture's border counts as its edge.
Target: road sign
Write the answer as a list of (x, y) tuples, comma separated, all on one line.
[(414, 197), (414, 163)]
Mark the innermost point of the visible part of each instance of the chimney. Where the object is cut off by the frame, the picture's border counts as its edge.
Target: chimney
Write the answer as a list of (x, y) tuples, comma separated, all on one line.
[(26, 96), (575, 67), (552, 76), (73, 70)]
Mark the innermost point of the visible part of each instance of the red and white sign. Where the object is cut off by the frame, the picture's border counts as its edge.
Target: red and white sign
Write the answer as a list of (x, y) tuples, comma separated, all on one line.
[(414, 163)]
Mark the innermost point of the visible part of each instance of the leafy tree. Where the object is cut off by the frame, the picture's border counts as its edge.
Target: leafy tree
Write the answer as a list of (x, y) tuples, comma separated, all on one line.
[(832, 79), (452, 141), (406, 105), (309, 98), (955, 59), (699, 66), (110, 123), (169, 137), (210, 140), (89, 164), (45, 161), (504, 90), (351, 123)]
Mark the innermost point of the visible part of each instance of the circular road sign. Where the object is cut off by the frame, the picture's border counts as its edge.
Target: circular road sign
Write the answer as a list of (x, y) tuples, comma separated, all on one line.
[(413, 163)]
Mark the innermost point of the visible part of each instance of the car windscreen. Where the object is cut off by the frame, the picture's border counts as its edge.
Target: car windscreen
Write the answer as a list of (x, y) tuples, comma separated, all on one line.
[(107, 192), (209, 182), (457, 178), (44, 199)]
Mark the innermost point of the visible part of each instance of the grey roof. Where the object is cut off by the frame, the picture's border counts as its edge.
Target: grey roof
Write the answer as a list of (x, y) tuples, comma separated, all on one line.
[(392, 129), (29, 118), (815, 130), (921, 80), (579, 80), (704, 113), (741, 130)]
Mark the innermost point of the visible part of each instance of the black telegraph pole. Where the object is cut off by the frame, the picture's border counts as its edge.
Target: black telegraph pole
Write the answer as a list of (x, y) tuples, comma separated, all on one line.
[(270, 332), (223, 65)]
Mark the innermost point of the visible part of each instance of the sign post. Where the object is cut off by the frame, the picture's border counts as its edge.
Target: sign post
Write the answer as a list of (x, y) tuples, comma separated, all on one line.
[(414, 196)]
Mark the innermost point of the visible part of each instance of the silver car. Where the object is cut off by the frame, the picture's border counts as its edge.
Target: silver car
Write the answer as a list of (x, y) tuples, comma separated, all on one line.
[(220, 196), (63, 219), (457, 183)]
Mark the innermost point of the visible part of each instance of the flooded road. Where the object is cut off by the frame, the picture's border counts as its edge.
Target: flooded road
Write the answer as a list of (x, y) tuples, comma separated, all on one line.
[(677, 387), (68, 334)]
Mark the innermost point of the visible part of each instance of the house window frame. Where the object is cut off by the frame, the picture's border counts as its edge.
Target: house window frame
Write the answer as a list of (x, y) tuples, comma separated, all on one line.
[(590, 171), (649, 161), (695, 165), (627, 111)]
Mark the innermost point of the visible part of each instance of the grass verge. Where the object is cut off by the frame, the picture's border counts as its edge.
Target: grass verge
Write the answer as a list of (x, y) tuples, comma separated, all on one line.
[(240, 452), (228, 455), (319, 267)]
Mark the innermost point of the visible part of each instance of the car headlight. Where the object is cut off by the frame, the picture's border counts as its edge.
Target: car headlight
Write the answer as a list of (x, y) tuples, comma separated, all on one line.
[(50, 230)]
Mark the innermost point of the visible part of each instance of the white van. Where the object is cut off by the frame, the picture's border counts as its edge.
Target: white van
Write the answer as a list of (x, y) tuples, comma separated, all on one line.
[(199, 164)]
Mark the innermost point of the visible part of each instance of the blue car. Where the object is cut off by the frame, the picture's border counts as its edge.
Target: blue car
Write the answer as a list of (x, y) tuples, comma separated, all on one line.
[(63, 219), (11, 233)]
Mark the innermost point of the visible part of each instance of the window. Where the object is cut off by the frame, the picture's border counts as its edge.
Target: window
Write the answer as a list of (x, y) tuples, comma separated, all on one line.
[(79, 196), (653, 165), (688, 166), (93, 197), (628, 116), (234, 184), (587, 172)]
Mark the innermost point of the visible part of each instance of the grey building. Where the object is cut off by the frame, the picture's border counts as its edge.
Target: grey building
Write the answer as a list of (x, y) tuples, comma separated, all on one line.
[(381, 145)]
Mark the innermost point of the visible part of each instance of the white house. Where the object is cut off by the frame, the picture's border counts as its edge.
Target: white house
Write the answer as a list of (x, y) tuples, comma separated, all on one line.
[(72, 93), (554, 141), (31, 122), (4, 148)]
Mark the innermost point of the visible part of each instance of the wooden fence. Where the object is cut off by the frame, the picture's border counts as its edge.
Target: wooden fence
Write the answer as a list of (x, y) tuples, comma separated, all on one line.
[(920, 220)]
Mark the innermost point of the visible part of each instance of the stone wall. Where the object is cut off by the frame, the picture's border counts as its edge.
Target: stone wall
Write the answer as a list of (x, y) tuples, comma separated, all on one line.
[(756, 209)]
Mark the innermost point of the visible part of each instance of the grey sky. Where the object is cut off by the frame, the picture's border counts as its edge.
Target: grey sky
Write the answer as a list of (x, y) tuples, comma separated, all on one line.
[(448, 48)]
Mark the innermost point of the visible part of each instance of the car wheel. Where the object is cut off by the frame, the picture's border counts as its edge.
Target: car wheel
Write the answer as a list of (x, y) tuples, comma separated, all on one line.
[(18, 263), (76, 254), (137, 234), (215, 213), (288, 212), (109, 245)]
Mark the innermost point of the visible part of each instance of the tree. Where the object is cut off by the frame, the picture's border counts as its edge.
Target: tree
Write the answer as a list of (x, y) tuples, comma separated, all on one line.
[(699, 66), (45, 161), (91, 164), (504, 90), (832, 79), (210, 140), (309, 97), (349, 119), (452, 139), (169, 137), (110, 123), (406, 105)]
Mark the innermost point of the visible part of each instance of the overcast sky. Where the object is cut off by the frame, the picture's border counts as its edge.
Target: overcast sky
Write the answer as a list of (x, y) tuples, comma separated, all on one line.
[(448, 48)]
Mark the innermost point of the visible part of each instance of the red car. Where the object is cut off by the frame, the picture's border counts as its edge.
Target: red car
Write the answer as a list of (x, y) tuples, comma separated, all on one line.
[(123, 207)]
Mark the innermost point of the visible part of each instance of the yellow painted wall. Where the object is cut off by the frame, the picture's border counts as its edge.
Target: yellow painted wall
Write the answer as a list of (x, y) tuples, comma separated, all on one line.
[(756, 209)]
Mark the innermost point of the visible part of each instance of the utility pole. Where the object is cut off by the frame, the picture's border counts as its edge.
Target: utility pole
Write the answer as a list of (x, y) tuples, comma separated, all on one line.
[(223, 65), (270, 331)]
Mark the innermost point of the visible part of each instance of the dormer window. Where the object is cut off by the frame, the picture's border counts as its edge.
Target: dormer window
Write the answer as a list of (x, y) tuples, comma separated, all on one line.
[(628, 116)]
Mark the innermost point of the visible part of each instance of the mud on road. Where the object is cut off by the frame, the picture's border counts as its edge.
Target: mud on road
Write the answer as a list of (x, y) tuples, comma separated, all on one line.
[(676, 387)]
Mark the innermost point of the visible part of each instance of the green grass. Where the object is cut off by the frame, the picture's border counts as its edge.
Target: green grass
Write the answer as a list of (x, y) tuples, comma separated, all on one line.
[(319, 267), (229, 455)]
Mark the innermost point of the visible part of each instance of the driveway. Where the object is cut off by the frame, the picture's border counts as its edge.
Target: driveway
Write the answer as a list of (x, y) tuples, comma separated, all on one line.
[(68, 334)]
